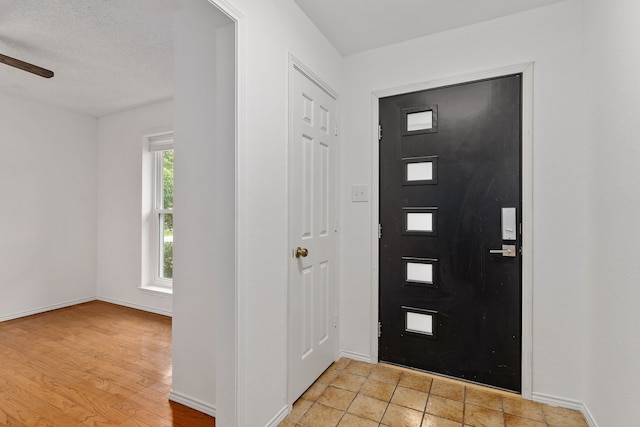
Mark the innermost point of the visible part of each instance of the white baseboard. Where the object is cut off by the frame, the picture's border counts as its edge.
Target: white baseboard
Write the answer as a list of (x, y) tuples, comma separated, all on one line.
[(355, 356), (566, 403), (279, 417), (557, 401), (587, 414), (192, 403), (136, 306), (45, 309)]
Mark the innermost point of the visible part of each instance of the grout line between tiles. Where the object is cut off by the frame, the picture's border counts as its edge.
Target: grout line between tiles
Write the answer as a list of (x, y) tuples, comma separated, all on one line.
[(464, 403), (389, 402)]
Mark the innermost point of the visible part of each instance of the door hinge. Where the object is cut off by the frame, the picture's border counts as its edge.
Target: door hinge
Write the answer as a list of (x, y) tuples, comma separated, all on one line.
[(336, 129), (379, 231), (379, 329), (335, 321), (379, 132)]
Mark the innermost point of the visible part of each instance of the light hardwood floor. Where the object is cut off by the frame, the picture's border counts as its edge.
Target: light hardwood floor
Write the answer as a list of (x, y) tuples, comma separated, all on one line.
[(93, 364)]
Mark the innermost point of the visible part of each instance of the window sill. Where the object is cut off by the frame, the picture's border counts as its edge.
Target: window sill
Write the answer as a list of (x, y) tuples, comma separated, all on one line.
[(157, 290)]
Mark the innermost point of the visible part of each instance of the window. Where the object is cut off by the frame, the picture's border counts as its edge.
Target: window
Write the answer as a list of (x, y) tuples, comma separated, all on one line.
[(163, 207), (159, 230)]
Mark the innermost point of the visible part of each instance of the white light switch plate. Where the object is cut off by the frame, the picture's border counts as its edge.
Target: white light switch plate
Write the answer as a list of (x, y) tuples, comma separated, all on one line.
[(359, 193)]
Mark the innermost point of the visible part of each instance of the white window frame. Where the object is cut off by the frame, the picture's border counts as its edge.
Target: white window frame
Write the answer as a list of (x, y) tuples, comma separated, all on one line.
[(156, 145)]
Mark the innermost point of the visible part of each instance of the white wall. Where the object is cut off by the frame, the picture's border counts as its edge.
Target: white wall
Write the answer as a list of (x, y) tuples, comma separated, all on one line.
[(119, 213), (224, 231), (552, 37), (272, 30), (613, 84), (48, 187), (204, 223)]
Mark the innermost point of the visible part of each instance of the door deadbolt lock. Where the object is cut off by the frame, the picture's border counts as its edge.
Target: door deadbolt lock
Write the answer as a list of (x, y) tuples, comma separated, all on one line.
[(507, 250), (301, 252)]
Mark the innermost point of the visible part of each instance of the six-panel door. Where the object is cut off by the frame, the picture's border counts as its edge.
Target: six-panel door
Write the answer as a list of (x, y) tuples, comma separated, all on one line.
[(312, 217)]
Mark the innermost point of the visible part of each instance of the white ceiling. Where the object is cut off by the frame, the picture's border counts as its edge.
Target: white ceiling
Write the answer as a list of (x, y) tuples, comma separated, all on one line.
[(107, 55), (112, 55), (358, 25)]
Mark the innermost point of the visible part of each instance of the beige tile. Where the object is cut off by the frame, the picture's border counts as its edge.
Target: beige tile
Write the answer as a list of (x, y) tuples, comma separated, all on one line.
[(522, 408), (483, 398), (561, 417), (448, 389), (416, 381), (413, 399), (340, 364), (368, 407), (349, 381), (321, 416), (386, 374), (377, 389), (399, 416), (350, 420), (445, 408), (359, 368), (287, 423), (299, 408), (337, 398), (433, 421), (314, 392), (477, 416), (513, 421), (329, 375)]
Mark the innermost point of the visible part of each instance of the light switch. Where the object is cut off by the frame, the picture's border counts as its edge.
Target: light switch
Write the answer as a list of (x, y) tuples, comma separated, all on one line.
[(359, 193), (509, 224)]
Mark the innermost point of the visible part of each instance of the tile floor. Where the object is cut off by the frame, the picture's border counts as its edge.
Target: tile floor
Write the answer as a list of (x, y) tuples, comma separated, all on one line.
[(357, 394)]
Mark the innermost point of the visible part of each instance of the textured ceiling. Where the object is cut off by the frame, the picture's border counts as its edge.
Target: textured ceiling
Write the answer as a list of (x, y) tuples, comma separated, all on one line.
[(107, 55), (358, 25), (112, 55)]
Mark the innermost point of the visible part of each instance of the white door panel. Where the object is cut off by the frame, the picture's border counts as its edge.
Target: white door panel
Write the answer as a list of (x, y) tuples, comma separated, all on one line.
[(312, 210)]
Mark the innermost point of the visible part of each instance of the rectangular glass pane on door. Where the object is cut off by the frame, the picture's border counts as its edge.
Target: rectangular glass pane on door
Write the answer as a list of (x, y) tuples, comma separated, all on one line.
[(421, 120), (420, 271), (420, 221), (420, 170)]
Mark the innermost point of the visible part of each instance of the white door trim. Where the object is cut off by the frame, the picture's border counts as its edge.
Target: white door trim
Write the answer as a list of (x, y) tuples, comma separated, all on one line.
[(236, 396), (527, 202), (295, 65)]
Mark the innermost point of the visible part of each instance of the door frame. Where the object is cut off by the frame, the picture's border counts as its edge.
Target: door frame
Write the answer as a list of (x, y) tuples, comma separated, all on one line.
[(295, 65), (526, 70)]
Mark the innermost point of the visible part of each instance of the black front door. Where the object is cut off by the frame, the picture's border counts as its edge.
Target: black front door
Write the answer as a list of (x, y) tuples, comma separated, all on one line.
[(450, 216)]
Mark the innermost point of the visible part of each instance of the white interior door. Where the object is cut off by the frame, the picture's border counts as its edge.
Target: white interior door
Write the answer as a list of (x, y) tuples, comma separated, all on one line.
[(312, 232)]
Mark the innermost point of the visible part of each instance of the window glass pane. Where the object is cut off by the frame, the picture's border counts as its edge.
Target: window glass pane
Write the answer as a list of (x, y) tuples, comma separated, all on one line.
[(419, 272), (420, 171), (420, 323), (166, 249), (419, 221), (422, 120), (167, 179)]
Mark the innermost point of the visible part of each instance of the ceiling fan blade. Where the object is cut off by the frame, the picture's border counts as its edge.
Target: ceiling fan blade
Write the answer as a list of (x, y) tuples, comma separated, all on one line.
[(25, 66)]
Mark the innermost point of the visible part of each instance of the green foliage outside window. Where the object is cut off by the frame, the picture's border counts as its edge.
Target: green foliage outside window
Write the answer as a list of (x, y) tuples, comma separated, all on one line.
[(167, 203), (168, 260)]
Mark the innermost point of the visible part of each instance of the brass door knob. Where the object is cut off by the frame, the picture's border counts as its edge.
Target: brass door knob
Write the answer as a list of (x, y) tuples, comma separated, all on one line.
[(301, 252)]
